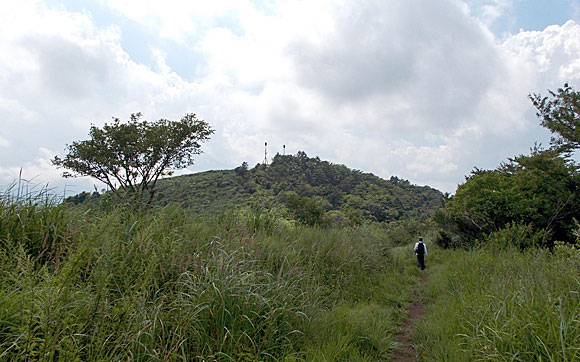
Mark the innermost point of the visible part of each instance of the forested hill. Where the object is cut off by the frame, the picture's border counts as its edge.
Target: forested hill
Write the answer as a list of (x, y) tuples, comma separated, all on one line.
[(292, 180), (300, 184)]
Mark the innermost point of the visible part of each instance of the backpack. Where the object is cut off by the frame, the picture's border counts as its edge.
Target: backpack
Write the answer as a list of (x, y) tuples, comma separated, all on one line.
[(421, 249)]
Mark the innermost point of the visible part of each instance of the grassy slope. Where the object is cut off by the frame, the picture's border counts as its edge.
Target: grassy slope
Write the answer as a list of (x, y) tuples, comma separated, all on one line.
[(207, 192)]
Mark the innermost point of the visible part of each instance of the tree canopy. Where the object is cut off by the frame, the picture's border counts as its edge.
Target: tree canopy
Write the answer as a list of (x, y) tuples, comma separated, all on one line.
[(130, 157), (538, 190), (560, 113)]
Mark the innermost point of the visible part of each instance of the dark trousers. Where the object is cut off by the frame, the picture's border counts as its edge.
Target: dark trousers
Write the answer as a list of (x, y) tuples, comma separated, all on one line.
[(421, 261)]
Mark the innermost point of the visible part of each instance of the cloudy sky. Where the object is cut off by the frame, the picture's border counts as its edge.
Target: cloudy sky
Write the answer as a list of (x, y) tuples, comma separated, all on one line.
[(423, 90)]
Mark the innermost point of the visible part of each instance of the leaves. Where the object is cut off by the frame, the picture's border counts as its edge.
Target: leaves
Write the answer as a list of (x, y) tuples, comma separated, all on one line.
[(560, 113), (131, 157), (539, 190)]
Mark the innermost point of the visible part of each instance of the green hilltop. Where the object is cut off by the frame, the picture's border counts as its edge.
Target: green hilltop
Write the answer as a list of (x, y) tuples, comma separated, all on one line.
[(293, 183), (290, 180)]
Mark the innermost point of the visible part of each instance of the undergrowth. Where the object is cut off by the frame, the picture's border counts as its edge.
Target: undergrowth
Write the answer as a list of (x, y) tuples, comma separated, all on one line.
[(165, 285), (503, 305), (125, 284)]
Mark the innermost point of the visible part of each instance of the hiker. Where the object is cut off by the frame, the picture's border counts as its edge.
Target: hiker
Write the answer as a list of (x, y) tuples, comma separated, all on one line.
[(421, 252)]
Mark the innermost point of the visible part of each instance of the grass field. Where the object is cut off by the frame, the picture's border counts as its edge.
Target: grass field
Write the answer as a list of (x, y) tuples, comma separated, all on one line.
[(507, 305), (119, 284), (164, 285)]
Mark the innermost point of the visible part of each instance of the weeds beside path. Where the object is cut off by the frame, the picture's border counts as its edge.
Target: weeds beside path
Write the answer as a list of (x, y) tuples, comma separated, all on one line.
[(405, 351)]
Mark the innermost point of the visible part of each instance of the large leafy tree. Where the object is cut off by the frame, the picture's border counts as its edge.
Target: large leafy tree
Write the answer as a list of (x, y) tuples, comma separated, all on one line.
[(130, 157), (538, 190)]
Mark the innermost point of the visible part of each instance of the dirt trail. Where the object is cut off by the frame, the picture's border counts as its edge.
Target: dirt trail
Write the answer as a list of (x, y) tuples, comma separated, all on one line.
[(405, 351)]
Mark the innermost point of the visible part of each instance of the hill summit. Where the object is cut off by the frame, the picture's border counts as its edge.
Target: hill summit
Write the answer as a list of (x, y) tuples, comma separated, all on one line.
[(300, 184), (335, 188)]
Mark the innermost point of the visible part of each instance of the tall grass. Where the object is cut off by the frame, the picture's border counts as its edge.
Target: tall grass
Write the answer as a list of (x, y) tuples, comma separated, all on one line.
[(33, 220), (365, 329), (121, 284), (503, 305)]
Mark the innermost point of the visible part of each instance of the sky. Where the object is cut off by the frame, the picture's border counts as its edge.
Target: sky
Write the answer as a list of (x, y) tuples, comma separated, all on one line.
[(422, 90)]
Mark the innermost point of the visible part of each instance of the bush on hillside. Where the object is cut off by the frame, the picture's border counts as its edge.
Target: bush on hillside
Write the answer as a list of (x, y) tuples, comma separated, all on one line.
[(539, 191), (521, 236)]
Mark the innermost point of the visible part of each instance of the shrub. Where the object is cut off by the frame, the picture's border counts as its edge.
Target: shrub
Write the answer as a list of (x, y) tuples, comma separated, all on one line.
[(517, 235)]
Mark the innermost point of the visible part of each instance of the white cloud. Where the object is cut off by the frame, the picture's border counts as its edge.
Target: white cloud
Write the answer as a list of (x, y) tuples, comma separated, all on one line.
[(183, 20), (59, 72), (36, 173), (4, 142), (494, 13), (415, 89), (554, 53)]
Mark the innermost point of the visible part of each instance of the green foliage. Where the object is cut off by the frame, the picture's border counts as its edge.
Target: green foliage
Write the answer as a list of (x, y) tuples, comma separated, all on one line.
[(131, 157), (346, 196), (447, 240), (561, 115), (242, 170), (83, 197), (36, 224), (521, 236), (207, 193), (162, 284), (250, 285), (401, 232), (539, 190), (306, 210), (361, 332), (263, 220)]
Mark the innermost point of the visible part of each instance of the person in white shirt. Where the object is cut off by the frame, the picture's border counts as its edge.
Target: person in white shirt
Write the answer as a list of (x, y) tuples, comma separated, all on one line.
[(421, 252)]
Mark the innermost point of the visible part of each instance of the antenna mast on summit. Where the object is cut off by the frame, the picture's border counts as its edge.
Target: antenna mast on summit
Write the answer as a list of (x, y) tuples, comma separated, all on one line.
[(265, 153), (284, 150)]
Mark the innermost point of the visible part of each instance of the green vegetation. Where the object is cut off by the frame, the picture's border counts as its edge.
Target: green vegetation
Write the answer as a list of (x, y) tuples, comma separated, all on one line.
[(301, 188), (303, 260), (502, 305), (538, 192), (560, 113), (130, 157), (162, 284), (513, 294)]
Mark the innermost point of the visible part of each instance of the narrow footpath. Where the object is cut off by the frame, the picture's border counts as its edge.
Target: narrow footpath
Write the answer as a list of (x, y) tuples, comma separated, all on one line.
[(405, 351)]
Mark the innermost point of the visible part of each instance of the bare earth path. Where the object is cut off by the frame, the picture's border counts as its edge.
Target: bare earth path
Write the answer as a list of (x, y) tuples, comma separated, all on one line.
[(405, 352)]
